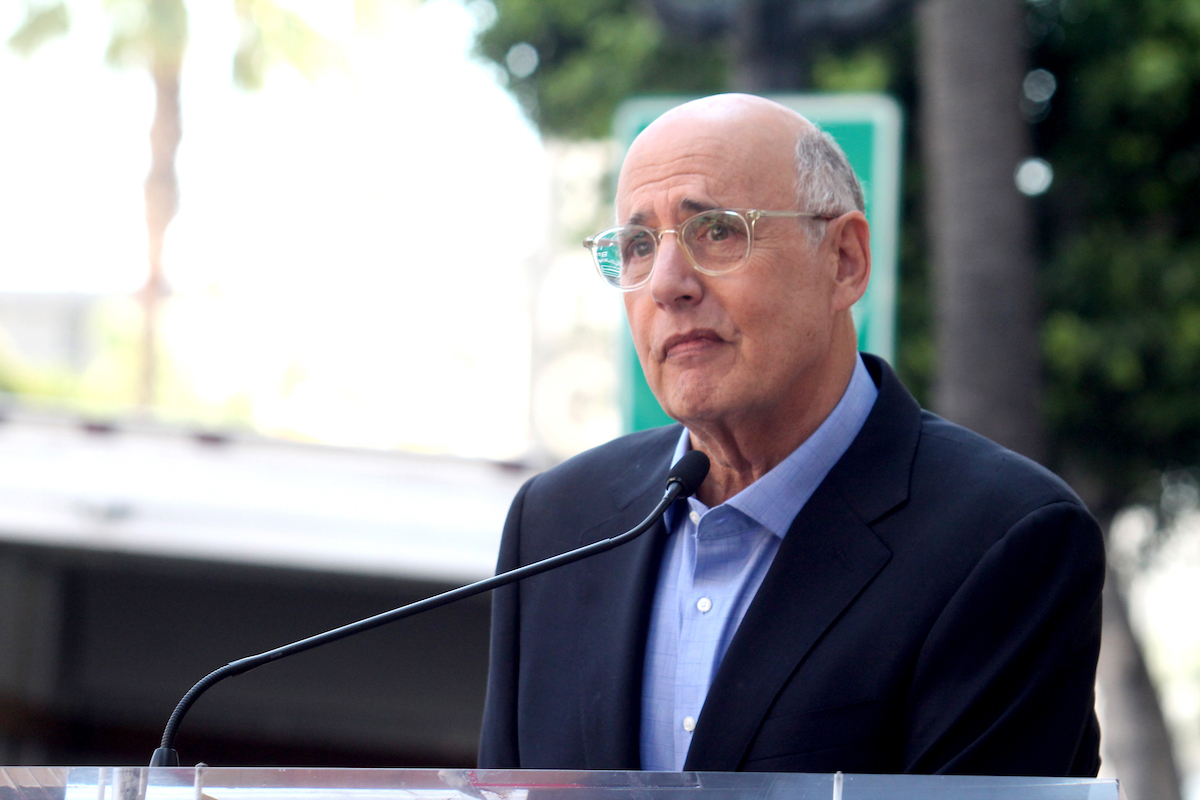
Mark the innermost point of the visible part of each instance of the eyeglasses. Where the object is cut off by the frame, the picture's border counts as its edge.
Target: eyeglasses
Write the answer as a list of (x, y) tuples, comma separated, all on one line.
[(715, 242)]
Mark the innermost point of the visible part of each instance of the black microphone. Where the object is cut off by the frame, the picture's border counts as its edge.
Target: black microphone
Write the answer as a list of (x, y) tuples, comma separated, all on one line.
[(683, 480), (690, 472)]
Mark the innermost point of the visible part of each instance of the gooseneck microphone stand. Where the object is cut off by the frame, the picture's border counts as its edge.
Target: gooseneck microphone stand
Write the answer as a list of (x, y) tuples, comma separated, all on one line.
[(683, 480)]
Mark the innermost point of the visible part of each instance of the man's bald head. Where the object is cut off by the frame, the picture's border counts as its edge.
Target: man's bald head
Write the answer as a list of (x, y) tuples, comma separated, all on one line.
[(754, 121), (766, 143)]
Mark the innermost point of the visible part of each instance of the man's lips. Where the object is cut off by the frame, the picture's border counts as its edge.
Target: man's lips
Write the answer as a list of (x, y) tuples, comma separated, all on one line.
[(682, 344)]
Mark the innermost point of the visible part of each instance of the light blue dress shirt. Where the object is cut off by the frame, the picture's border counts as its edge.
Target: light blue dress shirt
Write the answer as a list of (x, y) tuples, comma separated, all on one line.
[(715, 560)]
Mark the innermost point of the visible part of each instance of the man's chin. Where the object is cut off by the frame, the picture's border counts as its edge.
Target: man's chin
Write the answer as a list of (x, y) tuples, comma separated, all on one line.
[(692, 407)]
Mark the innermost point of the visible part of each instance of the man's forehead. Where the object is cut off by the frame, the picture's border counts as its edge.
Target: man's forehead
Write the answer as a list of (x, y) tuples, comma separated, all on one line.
[(678, 179), (684, 156), (690, 173)]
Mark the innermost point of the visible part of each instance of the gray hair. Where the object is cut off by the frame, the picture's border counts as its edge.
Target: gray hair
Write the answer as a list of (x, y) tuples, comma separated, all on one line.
[(825, 182)]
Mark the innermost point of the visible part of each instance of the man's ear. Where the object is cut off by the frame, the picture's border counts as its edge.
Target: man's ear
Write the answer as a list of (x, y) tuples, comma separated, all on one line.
[(849, 237)]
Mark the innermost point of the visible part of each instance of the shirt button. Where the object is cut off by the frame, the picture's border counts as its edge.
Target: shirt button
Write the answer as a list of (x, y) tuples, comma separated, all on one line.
[(689, 724), (694, 517), (704, 605)]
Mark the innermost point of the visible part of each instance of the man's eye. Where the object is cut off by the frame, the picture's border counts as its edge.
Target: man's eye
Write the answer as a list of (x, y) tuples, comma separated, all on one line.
[(640, 246), (715, 229), (716, 232)]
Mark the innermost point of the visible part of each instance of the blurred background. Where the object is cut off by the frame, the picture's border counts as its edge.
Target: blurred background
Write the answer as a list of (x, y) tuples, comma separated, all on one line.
[(292, 301)]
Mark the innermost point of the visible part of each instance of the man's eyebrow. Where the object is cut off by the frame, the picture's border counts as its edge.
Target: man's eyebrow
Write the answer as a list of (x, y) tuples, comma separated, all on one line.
[(696, 206), (687, 204)]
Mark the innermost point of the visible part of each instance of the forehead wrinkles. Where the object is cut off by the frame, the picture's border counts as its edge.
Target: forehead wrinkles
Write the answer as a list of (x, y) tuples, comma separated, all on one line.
[(647, 186)]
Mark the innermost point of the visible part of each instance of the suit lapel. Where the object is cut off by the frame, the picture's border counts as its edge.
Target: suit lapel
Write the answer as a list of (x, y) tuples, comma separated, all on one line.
[(825, 560), (615, 595), (828, 557)]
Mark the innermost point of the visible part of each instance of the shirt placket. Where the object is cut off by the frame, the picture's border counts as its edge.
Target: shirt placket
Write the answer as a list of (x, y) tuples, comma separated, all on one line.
[(701, 626)]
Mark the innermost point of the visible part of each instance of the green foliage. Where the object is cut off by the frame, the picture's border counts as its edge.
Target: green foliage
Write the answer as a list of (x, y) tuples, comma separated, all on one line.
[(867, 69), (272, 34), (592, 54), (151, 33), (107, 385), (20, 377), (41, 24), (1122, 236), (1122, 349)]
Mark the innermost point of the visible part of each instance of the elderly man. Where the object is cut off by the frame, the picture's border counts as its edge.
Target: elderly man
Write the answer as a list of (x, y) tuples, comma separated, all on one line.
[(858, 585)]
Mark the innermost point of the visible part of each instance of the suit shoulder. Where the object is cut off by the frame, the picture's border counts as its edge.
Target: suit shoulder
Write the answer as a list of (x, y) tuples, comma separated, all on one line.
[(974, 504), (984, 473)]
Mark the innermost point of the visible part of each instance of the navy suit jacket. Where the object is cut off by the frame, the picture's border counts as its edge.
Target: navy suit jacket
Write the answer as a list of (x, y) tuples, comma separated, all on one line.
[(934, 607)]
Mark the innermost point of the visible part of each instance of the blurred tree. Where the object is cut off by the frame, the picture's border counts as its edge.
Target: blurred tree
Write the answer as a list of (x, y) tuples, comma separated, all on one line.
[(985, 288), (1122, 234), (1122, 279), (589, 55), (153, 35), (592, 54)]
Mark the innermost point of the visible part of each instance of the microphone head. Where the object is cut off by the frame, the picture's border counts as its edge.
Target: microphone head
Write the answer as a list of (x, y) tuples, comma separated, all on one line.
[(690, 471)]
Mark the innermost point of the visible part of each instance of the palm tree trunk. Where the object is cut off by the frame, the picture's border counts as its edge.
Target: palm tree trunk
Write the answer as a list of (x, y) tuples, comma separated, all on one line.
[(162, 201), (971, 68), (1135, 736)]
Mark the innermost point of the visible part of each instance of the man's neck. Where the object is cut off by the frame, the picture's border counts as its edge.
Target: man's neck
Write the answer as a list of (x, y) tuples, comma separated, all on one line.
[(742, 450)]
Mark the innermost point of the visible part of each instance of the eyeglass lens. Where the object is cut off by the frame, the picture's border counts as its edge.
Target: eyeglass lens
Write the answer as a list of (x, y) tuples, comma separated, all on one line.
[(715, 241)]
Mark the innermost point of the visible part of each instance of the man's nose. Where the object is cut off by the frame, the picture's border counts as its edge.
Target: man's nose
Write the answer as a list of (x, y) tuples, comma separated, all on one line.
[(673, 279)]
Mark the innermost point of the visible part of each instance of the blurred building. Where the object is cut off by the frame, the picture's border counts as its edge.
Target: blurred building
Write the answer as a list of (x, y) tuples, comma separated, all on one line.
[(137, 557), (135, 560), (577, 356), (48, 327)]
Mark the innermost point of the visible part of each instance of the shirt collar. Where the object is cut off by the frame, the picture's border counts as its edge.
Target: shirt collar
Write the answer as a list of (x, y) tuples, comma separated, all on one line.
[(776, 498)]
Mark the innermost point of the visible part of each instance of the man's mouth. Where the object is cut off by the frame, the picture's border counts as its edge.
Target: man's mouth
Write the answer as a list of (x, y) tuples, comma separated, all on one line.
[(683, 344)]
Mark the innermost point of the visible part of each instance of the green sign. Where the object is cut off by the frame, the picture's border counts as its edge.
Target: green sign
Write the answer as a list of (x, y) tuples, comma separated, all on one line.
[(867, 126)]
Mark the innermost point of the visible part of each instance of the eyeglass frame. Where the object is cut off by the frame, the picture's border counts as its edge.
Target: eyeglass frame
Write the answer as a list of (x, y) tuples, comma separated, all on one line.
[(749, 215)]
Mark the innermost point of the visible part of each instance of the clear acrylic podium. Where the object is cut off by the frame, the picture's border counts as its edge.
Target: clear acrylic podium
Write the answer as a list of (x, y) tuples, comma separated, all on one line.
[(263, 783)]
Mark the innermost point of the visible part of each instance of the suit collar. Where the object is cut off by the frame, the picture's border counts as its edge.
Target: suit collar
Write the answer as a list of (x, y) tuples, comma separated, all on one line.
[(873, 475)]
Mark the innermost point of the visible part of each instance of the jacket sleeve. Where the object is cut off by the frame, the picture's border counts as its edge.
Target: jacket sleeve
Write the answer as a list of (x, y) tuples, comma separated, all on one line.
[(498, 748), (1004, 684)]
